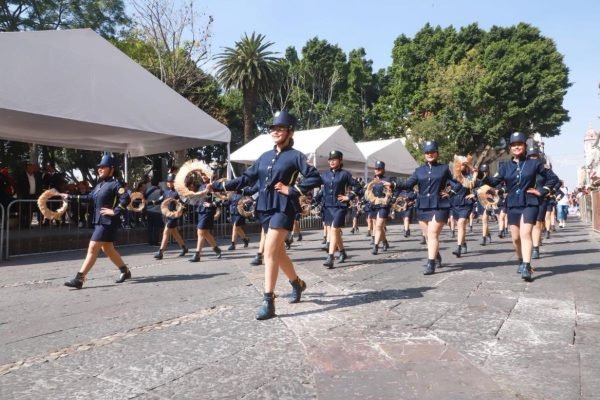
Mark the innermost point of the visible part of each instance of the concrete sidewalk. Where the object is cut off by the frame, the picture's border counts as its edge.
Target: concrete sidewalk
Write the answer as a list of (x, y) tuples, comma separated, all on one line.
[(372, 328)]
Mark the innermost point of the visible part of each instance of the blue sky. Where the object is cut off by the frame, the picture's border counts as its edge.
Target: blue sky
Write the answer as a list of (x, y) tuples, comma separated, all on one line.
[(573, 25)]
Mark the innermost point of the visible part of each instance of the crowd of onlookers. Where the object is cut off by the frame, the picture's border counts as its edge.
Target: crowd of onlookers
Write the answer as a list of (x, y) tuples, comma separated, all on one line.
[(30, 182)]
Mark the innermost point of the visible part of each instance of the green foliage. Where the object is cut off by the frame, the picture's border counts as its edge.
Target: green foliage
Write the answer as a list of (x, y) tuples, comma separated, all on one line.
[(104, 17), (252, 68), (473, 87)]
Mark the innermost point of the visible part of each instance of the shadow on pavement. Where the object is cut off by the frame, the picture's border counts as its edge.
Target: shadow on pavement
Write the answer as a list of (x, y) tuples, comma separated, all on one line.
[(168, 278), (355, 299)]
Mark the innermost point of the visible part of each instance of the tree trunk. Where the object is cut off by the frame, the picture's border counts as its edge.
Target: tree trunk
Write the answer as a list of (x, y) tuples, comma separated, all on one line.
[(250, 104)]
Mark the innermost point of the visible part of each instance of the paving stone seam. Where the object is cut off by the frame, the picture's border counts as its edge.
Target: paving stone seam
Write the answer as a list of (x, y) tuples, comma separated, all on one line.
[(106, 340)]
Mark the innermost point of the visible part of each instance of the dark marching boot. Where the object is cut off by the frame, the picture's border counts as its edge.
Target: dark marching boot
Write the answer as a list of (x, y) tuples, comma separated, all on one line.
[(125, 274), (196, 257), (385, 245), (423, 240), (159, 255), (547, 234), (521, 264), (483, 240), (246, 241), (375, 249), (217, 250), (325, 246), (352, 231), (429, 268), (501, 234), (457, 251), (267, 309), (298, 286), (299, 237), (489, 238), (183, 252), (257, 260), (526, 273), (535, 254), (76, 282), (231, 246), (470, 228), (453, 234), (438, 260), (324, 240), (343, 256), (464, 248), (369, 233), (329, 261), (407, 233)]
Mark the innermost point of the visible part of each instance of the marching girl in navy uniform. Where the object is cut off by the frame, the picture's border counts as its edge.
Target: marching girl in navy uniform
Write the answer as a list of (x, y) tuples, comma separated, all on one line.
[(461, 203), (206, 210), (110, 201), (523, 197), (171, 222), (542, 216), (237, 220), (433, 206), (410, 197), (484, 212), (382, 211), (502, 220), (278, 202), (355, 205), (337, 185)]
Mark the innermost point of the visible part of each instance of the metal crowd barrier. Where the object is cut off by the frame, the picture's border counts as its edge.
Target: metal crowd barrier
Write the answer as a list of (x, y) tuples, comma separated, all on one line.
[(28, 234), (595, 195)]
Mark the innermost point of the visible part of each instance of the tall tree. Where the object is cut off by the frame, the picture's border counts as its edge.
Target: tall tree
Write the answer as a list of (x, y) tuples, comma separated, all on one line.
[(250, 67), (105, 17), (474, 87), (172, 40)]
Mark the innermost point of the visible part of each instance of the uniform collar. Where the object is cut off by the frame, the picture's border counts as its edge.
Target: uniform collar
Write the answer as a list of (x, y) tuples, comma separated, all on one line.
[(288, 147)]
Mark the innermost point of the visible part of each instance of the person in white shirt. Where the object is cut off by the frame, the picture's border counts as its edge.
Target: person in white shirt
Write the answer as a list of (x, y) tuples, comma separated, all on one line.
[(562, 206)]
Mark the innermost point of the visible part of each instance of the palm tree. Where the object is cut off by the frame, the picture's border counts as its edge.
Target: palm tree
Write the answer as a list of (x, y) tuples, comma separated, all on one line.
[(251, 68)]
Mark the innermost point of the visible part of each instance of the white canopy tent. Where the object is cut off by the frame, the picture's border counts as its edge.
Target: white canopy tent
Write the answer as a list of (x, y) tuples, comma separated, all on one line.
[(398, 160), (74, 89), (314, 143)]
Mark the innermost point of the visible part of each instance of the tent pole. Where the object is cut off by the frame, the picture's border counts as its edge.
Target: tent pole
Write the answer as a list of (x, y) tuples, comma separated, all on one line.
[(229, 166), (126, 163), (366, 171)]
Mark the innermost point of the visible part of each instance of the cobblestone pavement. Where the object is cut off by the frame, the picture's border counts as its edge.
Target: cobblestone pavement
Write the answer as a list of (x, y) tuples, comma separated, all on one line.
[(372, 328)]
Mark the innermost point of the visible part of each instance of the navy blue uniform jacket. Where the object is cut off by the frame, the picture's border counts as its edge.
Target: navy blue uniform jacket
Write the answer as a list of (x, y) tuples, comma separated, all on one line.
[(520, 175), (432, 180), (107, 194), (271, 168), (335, 183)]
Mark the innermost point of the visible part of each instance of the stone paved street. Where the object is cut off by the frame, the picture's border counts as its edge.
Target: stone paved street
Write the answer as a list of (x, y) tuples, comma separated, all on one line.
[(372, 328)]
